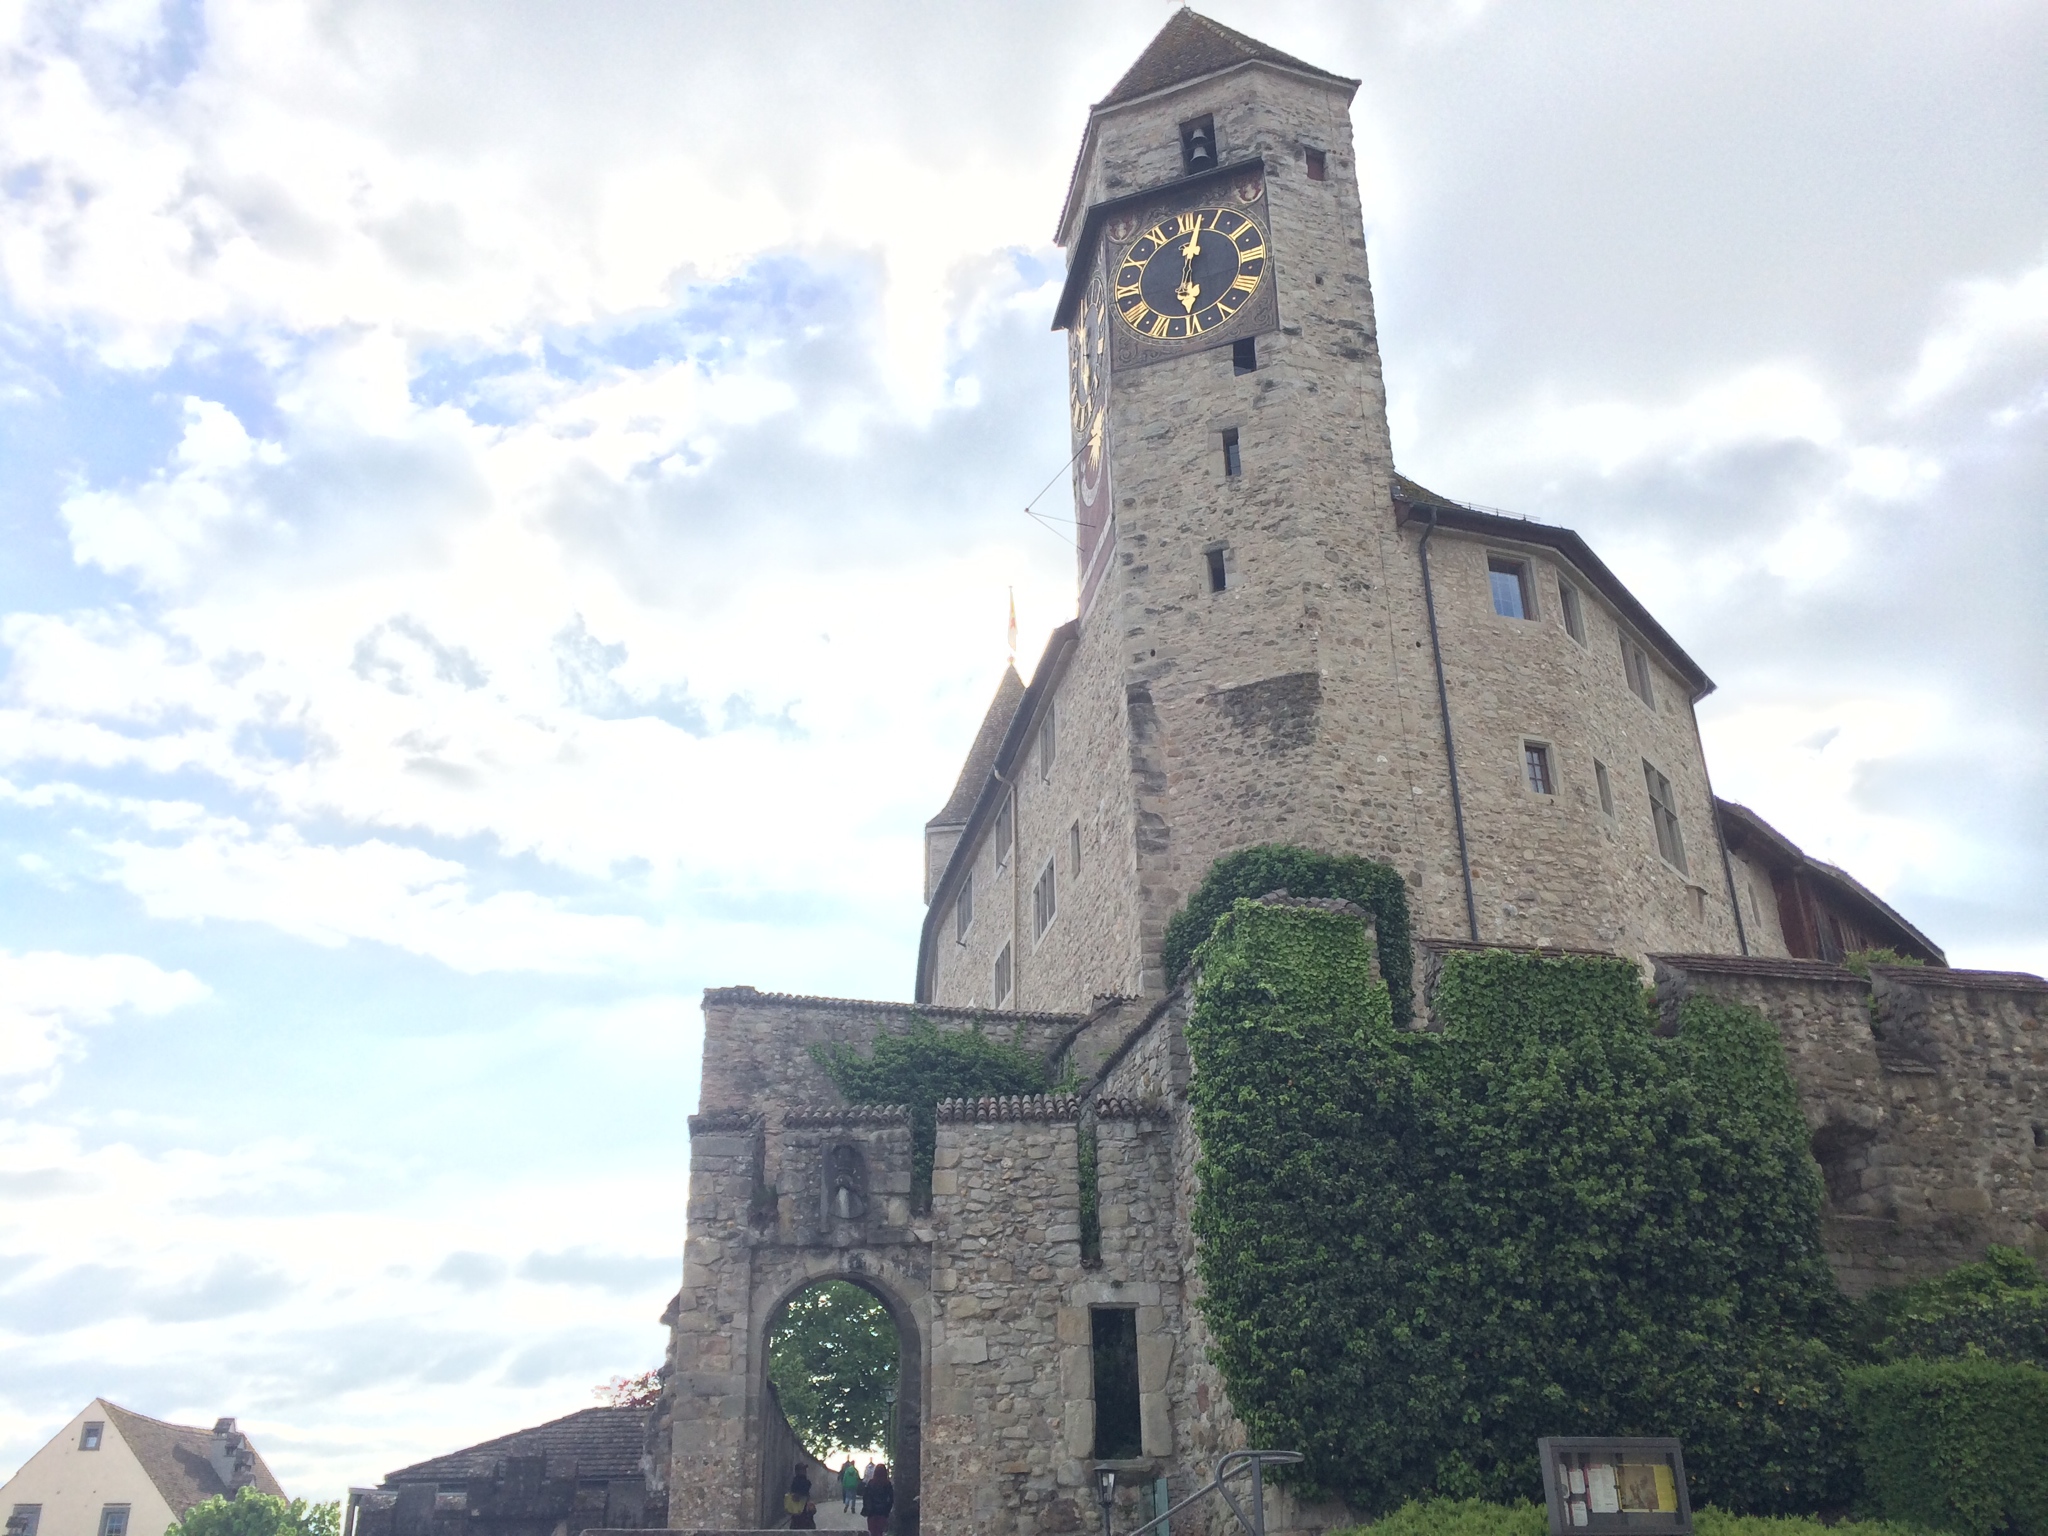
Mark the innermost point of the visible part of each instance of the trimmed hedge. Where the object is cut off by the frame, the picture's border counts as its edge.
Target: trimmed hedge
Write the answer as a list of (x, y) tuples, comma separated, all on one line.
[(1473, 1517), (1997, 1308), (1255, 872), (1955, 1445), (1421, 1252)]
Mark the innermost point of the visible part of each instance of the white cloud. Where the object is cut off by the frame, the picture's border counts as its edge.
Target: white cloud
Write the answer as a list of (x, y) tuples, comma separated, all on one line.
[(48, 999)]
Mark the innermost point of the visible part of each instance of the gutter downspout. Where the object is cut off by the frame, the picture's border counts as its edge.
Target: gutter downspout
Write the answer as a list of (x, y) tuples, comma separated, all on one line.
[(1443, 699)]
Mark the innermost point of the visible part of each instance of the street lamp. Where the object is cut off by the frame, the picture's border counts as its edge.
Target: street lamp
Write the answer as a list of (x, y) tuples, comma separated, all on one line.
[(1105, 1493)]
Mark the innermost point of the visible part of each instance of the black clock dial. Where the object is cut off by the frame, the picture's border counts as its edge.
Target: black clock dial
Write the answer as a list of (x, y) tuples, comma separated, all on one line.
[(1189, 273)]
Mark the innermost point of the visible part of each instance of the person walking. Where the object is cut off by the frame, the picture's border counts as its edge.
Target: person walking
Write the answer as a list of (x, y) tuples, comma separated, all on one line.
[(849, 1485), (877, 1499), (803, 1514)]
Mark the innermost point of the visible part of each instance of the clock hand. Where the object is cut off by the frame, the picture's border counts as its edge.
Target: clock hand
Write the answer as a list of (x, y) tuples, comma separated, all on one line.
[(1189, 290)]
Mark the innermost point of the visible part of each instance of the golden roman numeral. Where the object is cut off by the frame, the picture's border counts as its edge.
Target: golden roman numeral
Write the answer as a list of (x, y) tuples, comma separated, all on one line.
[(1246, 282), (1157, 329), (1190, 222), (1127, 291), (1194, 325)]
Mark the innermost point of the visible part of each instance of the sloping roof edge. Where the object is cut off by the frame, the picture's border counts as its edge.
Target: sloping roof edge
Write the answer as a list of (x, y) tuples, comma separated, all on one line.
[(177, 1459), (598, 1420), (1409, 497), (1750, 826), (994, 722), (1057, 645)]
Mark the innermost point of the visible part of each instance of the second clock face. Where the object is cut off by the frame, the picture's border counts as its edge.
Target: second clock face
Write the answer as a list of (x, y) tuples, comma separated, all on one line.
[(1189, 273)]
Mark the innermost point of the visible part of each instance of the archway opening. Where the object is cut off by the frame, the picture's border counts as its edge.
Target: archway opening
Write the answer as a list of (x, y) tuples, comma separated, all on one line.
[(838, 1365)]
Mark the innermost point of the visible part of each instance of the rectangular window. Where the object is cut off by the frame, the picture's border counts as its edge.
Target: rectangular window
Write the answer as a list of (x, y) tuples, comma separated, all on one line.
[(1318, 165), (1664, 817), (1512, 598), (1568, 606), (1005, 826), (1244, 356), (1198, 145), (27, 1517), (1044, 901), (89, 1436), (1118, 1436), (114, 1520), (1219, 574), (1233, 461), (1048, 743), (963, 907), (1636, 662), (1606, 788), (1536, 765), (1003, 976), (1074, 849)]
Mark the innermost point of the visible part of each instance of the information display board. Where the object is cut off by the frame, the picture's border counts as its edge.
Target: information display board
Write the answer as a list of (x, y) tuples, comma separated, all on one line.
[(1593, 1484)]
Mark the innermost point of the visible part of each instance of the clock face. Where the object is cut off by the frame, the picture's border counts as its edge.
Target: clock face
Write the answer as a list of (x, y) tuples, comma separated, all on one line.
[(1189, 273), (1089, 343)]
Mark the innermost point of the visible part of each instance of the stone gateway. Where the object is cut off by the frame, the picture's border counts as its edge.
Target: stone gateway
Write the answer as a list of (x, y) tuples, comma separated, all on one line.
[(1278, 639)]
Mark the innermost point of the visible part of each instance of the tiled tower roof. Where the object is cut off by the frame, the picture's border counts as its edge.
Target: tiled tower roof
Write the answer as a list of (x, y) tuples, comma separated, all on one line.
[(1002, 709), (1191, 46)]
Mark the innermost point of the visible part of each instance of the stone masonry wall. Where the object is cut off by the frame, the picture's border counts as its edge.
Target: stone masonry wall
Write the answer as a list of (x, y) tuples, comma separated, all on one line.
[(1926, 1092)]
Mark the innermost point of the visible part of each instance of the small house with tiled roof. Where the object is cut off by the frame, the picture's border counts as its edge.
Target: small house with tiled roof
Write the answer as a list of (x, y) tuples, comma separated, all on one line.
[(114, 1472)]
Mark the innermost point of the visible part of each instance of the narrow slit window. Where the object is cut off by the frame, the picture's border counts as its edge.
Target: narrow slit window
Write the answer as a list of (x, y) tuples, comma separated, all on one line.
[(1198, 145), (1244, 355), (1005, 827), (1048, 743), (1074, 849), (1509, 579), (1536, 767), (1003, 976), (1118, 1436), (963, 907), (1664, 818), (1605, 787), (1636, 662), (1219, 573), (1568, 608), (1045, 900), (1233, 461), (1318, 165)]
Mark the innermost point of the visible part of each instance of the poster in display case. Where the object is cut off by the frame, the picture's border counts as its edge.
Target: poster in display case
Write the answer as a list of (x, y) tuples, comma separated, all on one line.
[(1593, 1485)]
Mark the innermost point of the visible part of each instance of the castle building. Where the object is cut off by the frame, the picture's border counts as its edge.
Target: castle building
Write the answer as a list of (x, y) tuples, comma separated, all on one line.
[(1277, 638)]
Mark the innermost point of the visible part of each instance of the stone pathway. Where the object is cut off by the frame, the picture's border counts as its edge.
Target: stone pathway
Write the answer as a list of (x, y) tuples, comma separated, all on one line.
[(832, 1518)]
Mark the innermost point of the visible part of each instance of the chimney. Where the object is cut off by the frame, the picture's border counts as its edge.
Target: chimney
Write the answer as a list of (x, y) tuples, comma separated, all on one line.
[(233, 1461)]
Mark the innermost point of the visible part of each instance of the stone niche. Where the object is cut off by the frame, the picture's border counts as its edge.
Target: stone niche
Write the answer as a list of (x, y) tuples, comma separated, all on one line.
[(841, 1176)]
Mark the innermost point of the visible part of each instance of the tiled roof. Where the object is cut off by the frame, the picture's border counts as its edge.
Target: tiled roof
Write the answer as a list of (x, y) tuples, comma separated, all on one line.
[(598, 1442), (178, 1459), (1189, 47), (1002, 709), (1745, 830)]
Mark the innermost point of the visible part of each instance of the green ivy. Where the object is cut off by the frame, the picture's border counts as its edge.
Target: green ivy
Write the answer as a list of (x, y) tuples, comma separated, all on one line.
[(1955, 1445), (1421, 1252), (920, 1067), (1861, 960), (1091, 1203), (1256, 872), (1474, 1517)]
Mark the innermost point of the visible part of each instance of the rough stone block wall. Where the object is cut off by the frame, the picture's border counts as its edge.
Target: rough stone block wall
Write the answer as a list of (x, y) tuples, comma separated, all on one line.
[(1926, 1093)]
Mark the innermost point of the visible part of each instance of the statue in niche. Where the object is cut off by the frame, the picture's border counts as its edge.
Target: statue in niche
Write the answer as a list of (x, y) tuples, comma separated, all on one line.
[(846, 1184)]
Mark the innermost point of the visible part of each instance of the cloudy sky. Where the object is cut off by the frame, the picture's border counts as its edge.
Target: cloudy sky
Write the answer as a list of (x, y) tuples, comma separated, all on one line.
[(505, 517)]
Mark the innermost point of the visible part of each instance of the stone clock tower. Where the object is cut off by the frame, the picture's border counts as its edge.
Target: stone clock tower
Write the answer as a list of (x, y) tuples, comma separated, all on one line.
[(1257, 654)]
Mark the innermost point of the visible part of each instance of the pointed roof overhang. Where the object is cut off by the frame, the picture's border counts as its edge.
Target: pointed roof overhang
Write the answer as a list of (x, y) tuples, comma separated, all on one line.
[(1189, 48), (1030, 707), (1002, 709)]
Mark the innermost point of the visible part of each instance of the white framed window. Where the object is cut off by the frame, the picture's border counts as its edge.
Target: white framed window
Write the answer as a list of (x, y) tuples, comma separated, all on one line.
[(1074, 849), (1605, 787), (1536, 769), (1513, 596), (1048, 743), (114, 1520), (1005, 834), (963, 907), (1569, 610), (1045, 900), (1636, 662), (1003, 977), (89, 1434), (1664, 817), (27, 1517)]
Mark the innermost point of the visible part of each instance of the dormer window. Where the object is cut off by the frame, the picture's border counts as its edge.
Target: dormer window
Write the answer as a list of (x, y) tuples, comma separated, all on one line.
[(1198, 145)]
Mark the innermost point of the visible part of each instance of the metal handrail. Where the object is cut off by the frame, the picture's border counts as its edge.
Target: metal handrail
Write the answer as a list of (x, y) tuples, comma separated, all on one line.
[(1230, 1466)]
